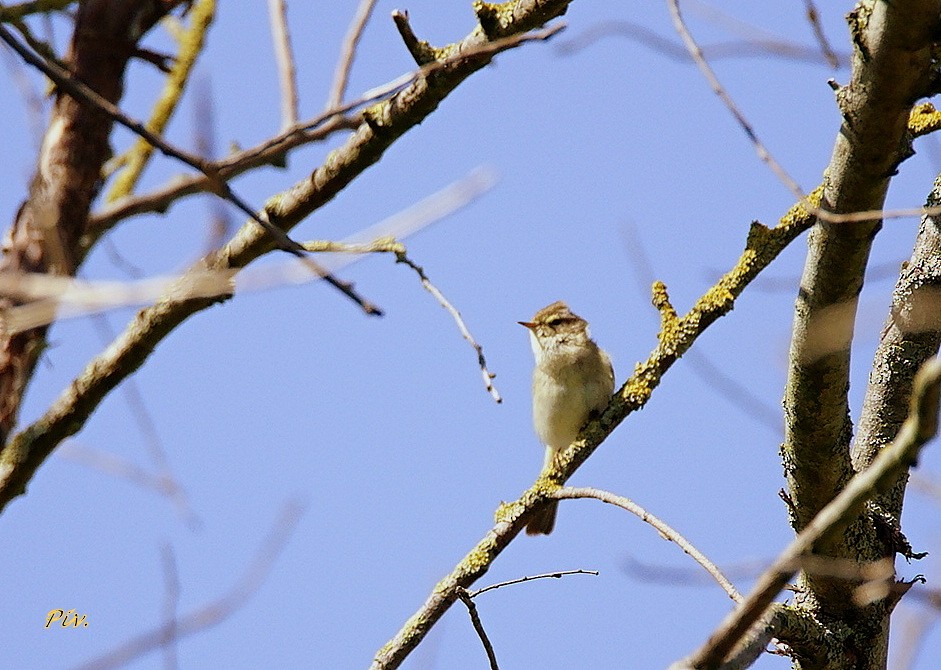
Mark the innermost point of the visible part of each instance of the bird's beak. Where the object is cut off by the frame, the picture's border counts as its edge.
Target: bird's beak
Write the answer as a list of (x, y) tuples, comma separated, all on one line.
[(527, 324)]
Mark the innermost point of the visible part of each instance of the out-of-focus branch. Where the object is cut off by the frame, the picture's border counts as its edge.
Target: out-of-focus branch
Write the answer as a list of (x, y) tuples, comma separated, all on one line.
[(24, 9), (675, 338), (191, 41), (348, 53), (920, 426), (161, 482), (813, 17), (750, 47), (45, 297), (383, 124), (892, 67), (287, 73), (171, 601)]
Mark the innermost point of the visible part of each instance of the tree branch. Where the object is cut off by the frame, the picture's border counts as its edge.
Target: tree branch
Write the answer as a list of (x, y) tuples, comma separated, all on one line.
[(666, 531), (920, 426), (287, 73), (912, 335), (892, 65)]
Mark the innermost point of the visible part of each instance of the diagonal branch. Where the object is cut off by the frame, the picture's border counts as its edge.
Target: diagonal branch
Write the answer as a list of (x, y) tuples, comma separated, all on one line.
[(666, 531), (348, 53), (454, 58), (920, 426)]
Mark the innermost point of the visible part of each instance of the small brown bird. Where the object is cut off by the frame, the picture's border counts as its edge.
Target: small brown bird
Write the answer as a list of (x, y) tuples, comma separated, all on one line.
[(573, 379)]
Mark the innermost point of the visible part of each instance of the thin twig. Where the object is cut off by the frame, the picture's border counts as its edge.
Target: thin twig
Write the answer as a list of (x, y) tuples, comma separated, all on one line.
[(814, 18), (920, 426), (468, 596), (547, 575), (478, 626), (665, 530), (220, 186), (287, 73), (458, 319), (216, 611), (348, 53), (719, 90)]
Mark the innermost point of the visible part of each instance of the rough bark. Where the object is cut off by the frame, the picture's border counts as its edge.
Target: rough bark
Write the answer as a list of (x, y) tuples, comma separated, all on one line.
[(45, 233), (892, 68)]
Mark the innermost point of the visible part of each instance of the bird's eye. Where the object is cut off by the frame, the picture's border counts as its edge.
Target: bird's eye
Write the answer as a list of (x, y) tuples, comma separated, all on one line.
[(554, 321)]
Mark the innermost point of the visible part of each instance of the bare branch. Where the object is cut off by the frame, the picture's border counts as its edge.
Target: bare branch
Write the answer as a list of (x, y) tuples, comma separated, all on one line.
[(529, 578), (478, 626), (470, 57), (666, 531), (433, 290), (719, 90), (813, 17), (348, 53), (921, 425), (287, 73)]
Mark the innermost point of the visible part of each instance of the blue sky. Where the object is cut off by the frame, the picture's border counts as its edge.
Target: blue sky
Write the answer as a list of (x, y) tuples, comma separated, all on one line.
[(382, 426)]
